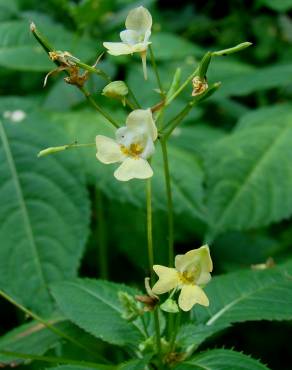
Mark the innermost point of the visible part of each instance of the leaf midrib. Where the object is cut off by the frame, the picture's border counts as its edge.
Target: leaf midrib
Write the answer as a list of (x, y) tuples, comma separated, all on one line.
[(22, 205), (219, 313), (93, 294), (253, 170)]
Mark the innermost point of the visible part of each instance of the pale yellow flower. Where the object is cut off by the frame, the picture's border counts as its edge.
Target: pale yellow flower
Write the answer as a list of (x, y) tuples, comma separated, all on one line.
[(192, 270), (135, 39), (133, 145)]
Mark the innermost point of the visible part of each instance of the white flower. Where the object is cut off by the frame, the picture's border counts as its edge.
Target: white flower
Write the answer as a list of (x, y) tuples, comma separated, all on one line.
[(192, 270), (133, 145), (135, 39)]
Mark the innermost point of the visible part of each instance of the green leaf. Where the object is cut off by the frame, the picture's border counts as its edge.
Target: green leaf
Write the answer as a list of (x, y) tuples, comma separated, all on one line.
[(8, 9), (221, 359), (94, 306), (20, 51), (279, 5), (237, 297), (70, 367), (249, 173), (193, 335), (186, 173), (255, 80), (44, 212), (34, 338), (169, 47), (248, 295)]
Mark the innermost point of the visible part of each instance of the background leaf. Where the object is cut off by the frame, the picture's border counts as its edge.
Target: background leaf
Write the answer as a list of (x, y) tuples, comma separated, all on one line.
[(44, 213), (221, 359), (246, 186), (94, 306)]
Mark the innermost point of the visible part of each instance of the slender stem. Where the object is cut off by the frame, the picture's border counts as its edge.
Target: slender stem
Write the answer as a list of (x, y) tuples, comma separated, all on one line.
[(181, 88), (151, 260), (130, 104), (149, 229), (58, 360), (157, 332), (175, 331), (172, 124), (48, 325), (101, 235), (154, 65), (97, 107), (144, 326), (134, 97), (163, 143), (48, 47)]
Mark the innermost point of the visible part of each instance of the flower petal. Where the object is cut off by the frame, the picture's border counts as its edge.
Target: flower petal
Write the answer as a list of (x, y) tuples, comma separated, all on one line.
[(141, 120), (168, 279), (133, 168), (149, 149), (108, 150), (139, 19), (130, 37), (118, 48), (190, 295), (199, 256)]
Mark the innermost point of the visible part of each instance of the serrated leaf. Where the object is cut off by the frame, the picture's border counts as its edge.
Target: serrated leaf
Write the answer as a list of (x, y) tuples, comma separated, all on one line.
[(94, 306), (193, 335), (44, 212), (248, 295), (221, 359), (238, 297), (249, 174), (19, 50), (186, 172), (34, 338)]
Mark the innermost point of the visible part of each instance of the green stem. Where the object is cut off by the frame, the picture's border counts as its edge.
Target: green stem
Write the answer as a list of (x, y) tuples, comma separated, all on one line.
[(48, 47), (98, 108), (149, 229), (177, 119), (163, 143), (144, 326), (56, 360), (101, 236), (48, 325), (181, 88), (174, 332), (151, 260), (134, 97), (154, 65)]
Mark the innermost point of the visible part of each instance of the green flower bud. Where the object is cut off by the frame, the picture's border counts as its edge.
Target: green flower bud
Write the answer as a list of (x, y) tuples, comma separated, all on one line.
[(131, 307), (169, 306), (116, 90), (51, 150)]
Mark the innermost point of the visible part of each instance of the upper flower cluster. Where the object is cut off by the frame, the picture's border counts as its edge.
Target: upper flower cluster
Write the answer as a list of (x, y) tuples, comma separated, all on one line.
[(135, 38), (133, 145), (191, 272)]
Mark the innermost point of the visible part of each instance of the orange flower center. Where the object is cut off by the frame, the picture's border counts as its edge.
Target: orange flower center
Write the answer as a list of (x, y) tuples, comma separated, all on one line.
[(134, 150)]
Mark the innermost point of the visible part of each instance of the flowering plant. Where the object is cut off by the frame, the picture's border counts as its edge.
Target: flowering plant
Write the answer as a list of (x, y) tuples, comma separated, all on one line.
[(161, 324)]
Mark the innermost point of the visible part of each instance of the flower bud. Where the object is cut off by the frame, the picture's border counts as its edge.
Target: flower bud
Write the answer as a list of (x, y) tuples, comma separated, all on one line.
[(51, 150), (131, 309), (116, 90), (169, 306)]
